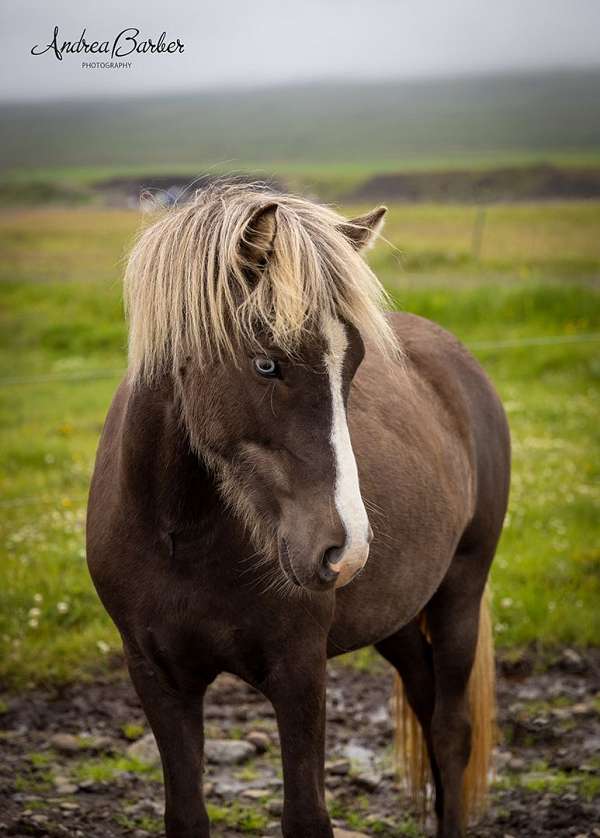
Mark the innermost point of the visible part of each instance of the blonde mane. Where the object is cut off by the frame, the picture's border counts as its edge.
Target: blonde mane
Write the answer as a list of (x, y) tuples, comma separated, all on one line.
[(189, 290)]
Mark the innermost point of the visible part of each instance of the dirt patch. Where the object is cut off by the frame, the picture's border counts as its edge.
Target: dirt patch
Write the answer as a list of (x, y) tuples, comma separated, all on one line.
[(66, 766), (519, 183)]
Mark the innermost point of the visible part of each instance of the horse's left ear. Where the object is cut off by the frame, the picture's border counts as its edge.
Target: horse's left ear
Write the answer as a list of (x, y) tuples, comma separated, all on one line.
[(258, 237), (362, 232)]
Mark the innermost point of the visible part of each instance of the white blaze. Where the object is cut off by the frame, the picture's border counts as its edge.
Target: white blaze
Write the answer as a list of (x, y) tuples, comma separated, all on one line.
[(348, 499)]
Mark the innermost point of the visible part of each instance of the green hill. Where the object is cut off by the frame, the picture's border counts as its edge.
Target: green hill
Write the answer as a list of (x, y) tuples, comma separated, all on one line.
[(371, 125)]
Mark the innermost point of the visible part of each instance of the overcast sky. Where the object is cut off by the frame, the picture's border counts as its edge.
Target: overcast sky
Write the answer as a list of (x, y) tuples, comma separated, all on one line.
[(233, 43)]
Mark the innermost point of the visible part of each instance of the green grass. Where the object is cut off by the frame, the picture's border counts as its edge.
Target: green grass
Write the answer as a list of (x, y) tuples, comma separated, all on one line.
[(348, 173), (518, 242), (60, 316), (359, 819), (236, 816), (132, 731), (55, 185), (105, 769), (544, 780), (35, 782), (143, 822)]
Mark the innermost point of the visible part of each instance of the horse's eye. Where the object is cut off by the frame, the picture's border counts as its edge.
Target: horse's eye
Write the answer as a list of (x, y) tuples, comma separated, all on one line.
[(266, 367)]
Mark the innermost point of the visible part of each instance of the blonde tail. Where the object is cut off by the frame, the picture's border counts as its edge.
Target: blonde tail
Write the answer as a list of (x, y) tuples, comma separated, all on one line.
[(411, 751)]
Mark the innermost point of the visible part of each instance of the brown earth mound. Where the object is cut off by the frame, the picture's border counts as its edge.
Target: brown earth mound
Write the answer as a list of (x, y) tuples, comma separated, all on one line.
[(168, 189), (519, 183)]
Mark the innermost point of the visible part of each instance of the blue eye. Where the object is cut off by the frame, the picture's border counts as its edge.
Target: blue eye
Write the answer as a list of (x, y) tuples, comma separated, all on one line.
[(266, 367)]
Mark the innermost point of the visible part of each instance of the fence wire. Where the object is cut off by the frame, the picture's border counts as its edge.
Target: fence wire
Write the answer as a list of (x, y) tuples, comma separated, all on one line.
[(98, 375), (95, 375)]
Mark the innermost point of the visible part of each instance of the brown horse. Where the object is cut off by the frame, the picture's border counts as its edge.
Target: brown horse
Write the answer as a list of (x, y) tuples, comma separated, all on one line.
[(269, 403)]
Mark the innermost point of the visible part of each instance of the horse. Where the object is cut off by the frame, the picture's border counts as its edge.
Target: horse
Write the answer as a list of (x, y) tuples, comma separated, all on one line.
[(271, 399)]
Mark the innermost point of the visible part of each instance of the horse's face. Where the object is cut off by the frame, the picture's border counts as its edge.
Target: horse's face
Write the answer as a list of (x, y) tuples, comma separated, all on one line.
[(275, 430)]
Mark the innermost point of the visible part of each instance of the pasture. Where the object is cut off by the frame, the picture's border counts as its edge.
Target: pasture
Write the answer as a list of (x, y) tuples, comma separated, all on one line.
[(525, 300)]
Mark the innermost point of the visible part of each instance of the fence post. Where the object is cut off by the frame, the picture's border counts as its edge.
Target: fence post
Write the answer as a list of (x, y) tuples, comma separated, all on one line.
[(477, 235)]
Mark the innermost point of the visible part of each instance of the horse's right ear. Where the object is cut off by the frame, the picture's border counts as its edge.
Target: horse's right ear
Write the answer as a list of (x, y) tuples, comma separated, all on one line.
[(258, 237)]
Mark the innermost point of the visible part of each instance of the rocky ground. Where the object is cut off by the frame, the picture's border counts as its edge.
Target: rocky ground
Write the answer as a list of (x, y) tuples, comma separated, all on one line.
[(80, 762)]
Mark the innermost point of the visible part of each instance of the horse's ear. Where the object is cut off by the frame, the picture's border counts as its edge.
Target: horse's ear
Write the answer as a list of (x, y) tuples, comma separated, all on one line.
[(258, 237), (362, 232)]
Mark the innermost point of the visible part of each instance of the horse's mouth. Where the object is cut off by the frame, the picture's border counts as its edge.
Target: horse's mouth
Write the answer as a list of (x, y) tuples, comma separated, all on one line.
[(286, 563)]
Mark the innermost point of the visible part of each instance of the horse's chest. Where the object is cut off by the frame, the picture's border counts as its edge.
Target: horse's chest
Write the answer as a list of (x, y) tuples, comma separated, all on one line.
[(198, 624)]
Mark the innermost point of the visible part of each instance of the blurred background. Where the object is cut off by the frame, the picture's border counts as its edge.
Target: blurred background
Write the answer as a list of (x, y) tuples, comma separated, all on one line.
[(478, 124)]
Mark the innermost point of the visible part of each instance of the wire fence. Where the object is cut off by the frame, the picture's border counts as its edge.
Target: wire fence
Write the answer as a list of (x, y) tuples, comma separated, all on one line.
[(98, 375), (95, 375), (549, 340)]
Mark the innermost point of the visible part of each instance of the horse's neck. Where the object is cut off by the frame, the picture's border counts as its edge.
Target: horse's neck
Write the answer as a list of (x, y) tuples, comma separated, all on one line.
[(160, 474)]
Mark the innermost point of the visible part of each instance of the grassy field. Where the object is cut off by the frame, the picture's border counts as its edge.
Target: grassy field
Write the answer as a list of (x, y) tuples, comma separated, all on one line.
[(62, 347), (351, 172), (337, 125)]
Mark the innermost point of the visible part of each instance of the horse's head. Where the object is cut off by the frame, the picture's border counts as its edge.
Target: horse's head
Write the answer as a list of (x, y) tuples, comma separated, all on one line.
[(268, 412), (275, 430)]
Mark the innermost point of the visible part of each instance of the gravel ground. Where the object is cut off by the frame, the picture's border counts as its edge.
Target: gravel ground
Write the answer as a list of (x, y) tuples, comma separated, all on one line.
[(80, 762)]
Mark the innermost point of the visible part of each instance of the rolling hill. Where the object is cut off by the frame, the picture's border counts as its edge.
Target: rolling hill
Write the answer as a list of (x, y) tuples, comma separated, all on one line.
[(369, 125)]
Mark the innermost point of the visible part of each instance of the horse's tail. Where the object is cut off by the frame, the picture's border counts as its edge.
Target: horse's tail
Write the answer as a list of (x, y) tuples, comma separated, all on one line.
[(411, 751)]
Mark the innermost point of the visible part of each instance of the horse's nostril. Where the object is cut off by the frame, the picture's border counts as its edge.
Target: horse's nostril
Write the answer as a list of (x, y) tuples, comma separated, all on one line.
[(326, 572)]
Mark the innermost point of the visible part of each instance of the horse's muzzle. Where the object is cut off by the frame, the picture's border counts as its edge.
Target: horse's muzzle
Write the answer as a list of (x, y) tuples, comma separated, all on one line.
[(347, 563), (333, 567)]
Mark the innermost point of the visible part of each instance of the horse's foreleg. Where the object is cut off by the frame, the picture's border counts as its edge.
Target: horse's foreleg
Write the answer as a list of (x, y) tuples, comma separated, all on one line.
[(453, 622), (410, 654), (297, 691), (177, 724)]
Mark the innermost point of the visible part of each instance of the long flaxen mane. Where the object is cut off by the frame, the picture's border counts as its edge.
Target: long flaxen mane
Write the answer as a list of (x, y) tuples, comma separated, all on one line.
[(190, 288)]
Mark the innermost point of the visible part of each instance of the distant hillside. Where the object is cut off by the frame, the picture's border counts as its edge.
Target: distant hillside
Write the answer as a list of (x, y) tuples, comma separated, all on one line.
[(522, 183), (320, 124)]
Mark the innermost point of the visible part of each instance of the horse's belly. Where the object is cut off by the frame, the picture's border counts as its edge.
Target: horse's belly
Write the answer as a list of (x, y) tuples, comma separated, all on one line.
[(390, 592), (418, 500)]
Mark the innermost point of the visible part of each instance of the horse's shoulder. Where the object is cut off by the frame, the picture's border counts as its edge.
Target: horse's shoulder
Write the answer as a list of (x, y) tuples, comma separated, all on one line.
[(414, 332), (133, 434), (439, 359)]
